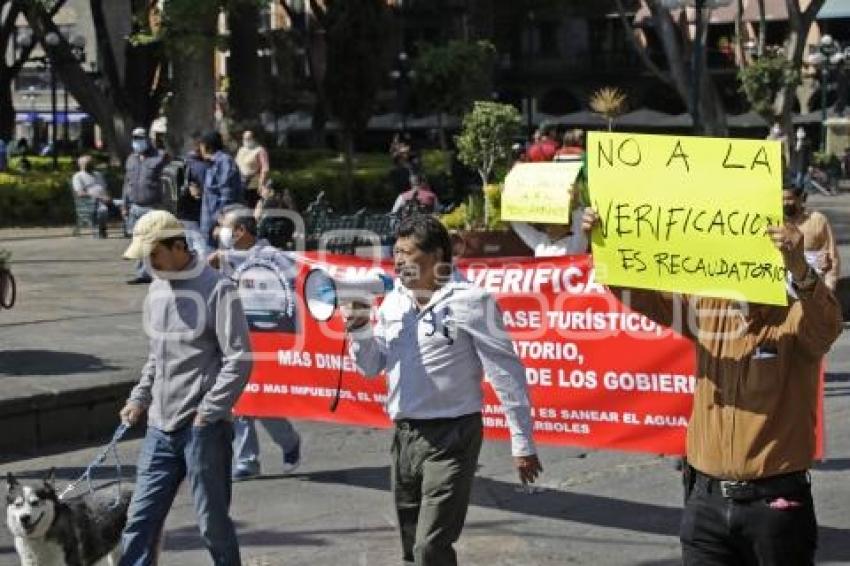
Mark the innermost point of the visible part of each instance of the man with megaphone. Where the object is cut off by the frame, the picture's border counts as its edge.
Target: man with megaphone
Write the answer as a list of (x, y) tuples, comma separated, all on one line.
[(436, 335)]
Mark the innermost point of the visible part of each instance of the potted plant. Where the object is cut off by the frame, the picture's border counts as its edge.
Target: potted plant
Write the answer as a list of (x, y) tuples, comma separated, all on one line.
[(484, 144), (8, 288)]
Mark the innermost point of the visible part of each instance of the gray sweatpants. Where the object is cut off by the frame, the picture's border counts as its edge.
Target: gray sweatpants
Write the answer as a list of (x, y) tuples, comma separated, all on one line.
[(434, 463)]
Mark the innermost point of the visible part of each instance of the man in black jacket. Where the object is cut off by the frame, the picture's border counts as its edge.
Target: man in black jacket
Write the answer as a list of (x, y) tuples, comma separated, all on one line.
[(142, 188)]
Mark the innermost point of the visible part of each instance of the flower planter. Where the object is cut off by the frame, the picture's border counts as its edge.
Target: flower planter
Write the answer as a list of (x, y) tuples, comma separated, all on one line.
[(489, 243)]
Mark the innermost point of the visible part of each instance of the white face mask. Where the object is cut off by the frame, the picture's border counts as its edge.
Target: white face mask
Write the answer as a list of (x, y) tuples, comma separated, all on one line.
[(225, 237), (139, 146), (249, 144)]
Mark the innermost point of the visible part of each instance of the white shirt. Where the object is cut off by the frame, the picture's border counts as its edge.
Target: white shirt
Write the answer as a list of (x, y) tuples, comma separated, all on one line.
[(544, 246), (435, 358), (89, 184)]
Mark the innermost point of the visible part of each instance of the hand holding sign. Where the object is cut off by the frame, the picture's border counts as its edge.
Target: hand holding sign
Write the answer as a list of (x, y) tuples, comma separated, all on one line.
[(355, 314), (789, 240)]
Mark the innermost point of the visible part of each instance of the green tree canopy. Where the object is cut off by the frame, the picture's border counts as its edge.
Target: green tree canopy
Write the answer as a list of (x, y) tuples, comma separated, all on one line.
[(765, 79), (487, 136), (448, 78)]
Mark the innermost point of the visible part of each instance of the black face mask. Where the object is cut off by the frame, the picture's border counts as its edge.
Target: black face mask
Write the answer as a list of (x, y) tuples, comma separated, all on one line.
[(790, 210)]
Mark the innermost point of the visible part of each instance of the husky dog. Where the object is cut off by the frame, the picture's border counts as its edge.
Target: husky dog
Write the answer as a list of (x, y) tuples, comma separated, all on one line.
[(82, 531)]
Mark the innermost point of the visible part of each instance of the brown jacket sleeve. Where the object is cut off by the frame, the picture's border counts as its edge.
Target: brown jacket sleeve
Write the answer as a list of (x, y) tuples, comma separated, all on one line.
[(666, 309), (815, 320)]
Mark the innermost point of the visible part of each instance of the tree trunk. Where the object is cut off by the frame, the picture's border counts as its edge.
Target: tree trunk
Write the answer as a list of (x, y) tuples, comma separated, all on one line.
[(318, 122), (441, 129), (799, 22), (145, 86), (712, 111), (7, 72), (112, 121), (7, 108), (193, 105), (316, 53), (710, 105), (671, 44), (348, 142), (246, 92), (740, 55), (116, 25)]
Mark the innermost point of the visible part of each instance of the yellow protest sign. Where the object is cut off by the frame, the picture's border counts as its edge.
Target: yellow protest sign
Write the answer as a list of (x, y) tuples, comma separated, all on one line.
[(687, 214), (539, 192)]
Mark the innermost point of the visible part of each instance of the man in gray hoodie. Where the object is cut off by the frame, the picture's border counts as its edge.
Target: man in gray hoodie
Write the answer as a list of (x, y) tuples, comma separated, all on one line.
[(198, 364)]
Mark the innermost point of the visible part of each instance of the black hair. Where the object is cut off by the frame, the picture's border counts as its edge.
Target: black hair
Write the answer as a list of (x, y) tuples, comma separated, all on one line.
[(793, 181), (169, 242), (428, 233), (212, 140), (242, 216)]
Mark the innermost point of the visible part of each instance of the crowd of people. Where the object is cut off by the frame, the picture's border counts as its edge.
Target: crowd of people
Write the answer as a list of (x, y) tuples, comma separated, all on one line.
[(211, 180), (747, 489)]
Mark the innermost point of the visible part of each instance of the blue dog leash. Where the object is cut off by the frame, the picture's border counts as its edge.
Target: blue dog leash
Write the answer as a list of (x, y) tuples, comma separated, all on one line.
[(112, 447)]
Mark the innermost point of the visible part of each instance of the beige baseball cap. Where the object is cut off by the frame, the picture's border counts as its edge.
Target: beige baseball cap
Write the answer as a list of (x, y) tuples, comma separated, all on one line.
[(151, 228)]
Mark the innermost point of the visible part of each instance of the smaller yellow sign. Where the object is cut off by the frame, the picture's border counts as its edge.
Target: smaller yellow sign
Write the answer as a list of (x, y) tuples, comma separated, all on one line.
[(539, 192)]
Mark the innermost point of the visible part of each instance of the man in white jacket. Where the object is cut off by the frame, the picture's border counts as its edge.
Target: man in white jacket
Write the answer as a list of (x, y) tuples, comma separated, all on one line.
[(435, 337)]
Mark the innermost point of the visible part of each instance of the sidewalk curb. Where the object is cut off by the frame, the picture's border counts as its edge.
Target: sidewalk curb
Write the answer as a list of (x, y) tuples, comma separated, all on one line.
[(35, 424)]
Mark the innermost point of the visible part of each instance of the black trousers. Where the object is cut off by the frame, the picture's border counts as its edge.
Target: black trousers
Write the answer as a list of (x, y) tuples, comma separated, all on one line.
[(778, 530)]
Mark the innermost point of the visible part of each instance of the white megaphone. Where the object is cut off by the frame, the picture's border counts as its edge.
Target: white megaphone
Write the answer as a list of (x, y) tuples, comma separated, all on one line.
[(324, 292)]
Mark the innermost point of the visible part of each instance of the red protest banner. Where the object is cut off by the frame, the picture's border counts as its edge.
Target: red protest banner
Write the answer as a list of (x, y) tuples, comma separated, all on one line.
[(599, 374)]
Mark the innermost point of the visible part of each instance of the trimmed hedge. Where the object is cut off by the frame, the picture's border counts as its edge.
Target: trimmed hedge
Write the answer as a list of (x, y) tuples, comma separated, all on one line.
[(42, 197), (306, 173), (36, 199)]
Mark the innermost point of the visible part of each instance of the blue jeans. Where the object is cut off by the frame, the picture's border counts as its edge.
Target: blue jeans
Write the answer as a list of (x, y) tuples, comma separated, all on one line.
[(203, 455), (137, 211), (246, 447)]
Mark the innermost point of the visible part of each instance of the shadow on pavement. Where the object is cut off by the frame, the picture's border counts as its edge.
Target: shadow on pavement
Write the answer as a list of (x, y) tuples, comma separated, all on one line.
[(833, 465), (832, 377), (67, 475), (49, 362), (833, 543), (840, 390), (187, 538)]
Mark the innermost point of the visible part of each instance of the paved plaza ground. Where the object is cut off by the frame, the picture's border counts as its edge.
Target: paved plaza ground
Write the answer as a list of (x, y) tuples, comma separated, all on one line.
[(76, 334)]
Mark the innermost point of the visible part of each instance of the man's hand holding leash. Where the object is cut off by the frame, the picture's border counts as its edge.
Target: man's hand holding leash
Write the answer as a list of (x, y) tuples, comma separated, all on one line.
[(131, 413)]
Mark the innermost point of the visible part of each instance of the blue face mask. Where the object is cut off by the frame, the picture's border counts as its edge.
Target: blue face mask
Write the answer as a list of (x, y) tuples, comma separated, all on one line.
[(139, 146)]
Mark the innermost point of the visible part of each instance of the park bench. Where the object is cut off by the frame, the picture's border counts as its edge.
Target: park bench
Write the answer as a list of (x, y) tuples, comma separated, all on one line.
[(84, 213), (343, 234)]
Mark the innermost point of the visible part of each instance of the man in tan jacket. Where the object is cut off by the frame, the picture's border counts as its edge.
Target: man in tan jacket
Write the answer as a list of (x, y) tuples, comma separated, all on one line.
[(751, 437), (818, 240)]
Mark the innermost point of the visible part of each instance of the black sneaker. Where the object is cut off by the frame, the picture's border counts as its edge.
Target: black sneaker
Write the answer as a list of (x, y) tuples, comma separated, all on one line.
[(292, 458)]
